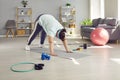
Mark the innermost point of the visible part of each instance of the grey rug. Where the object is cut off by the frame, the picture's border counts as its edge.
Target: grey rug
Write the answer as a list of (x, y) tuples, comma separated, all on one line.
[(61, 53)]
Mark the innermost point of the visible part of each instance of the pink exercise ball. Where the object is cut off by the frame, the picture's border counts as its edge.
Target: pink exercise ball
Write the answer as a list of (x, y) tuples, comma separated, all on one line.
[(99, 36)]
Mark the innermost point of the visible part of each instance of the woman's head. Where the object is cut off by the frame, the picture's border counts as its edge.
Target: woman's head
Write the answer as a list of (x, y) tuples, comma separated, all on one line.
[(61, 34)]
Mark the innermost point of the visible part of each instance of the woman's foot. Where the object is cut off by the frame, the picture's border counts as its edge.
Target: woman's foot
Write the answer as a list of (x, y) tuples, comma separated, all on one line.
[(53, 54), (41, 45), (27, 48)]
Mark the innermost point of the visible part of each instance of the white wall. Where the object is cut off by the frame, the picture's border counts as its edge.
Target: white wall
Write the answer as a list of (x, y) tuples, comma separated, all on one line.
[(104, 8), (96, 9), (82, 12), (7, 9), (84, 9), (111, 8), (119, 9)]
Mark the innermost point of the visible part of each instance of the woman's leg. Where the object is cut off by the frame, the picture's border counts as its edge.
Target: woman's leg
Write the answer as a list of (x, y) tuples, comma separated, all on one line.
[(35, 32), (43, 36)]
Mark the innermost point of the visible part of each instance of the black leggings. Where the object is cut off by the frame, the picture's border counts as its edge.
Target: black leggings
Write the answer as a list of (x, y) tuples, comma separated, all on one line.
[(35, 32)]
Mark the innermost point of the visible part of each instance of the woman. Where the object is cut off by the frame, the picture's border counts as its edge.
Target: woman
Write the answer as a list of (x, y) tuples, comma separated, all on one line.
[(49, 26)]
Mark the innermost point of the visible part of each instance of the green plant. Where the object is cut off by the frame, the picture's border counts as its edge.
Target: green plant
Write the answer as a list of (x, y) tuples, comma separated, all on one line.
[(86, 22), (24, 3), (68, 4), (65, 24)]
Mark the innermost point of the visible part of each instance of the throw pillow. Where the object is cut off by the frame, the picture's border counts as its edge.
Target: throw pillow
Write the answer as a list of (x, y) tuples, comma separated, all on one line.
[(111, 22), (95, 22), (102, 24)]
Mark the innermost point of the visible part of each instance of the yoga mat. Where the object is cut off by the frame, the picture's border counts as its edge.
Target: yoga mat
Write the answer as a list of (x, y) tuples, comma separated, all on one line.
[(61, 53)]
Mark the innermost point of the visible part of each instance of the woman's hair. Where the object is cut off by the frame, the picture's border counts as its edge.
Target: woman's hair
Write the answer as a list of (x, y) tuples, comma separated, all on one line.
[(62, 34)]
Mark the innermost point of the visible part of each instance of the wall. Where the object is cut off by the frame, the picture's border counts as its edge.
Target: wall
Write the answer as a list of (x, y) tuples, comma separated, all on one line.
[(104, 8), (82, 12), (119, 9), (96, 9), (111, 8), (7, 9)]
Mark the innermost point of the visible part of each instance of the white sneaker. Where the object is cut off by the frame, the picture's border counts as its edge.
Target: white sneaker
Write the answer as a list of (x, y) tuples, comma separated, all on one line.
[(41, 45), (27, 48)]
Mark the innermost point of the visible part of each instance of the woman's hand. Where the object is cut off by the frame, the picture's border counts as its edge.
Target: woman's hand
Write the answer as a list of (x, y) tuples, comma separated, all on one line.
[(53, 54), (69, 51), (51, 46)]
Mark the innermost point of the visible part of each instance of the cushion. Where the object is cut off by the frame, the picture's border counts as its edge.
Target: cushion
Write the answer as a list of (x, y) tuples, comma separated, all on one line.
[(111, 22), (101, 21), (95, 22), (107, 27), (102, 24)]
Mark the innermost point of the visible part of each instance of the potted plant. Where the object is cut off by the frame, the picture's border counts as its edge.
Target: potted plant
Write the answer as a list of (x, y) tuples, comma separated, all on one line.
[(68, 4), (86, 22), (24, 3), (65, 24)]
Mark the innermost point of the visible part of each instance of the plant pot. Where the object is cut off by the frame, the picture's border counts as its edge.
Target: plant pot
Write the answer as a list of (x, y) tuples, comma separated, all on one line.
[(24, 6)]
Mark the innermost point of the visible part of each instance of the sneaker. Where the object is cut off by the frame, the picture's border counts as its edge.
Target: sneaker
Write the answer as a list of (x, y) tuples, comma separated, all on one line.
[(41, 45), (27, 48)]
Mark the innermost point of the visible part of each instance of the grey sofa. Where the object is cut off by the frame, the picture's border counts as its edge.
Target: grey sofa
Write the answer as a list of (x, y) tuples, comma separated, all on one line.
[(111, 25)]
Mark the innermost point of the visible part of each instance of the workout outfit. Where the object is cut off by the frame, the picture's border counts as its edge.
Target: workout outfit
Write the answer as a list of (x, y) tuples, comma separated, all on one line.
[(36, 31), (48, 25)]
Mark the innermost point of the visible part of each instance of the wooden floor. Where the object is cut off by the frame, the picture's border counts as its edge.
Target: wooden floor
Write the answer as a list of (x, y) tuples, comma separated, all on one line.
[(102, 64)]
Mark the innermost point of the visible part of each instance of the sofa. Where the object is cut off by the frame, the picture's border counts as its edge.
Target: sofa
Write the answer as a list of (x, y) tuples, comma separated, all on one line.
[(110, 24)]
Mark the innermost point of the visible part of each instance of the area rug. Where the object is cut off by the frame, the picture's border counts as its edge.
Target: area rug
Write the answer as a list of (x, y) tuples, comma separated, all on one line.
[(62, 53), (95, 46), (104, 46), (89, 45)]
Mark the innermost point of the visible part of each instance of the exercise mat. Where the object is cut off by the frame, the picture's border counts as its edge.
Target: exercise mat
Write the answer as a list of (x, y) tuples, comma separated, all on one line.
[(61, 53)]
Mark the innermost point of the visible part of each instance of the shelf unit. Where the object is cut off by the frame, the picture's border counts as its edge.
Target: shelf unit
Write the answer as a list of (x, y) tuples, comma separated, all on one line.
[(23, 21), (68, 18)]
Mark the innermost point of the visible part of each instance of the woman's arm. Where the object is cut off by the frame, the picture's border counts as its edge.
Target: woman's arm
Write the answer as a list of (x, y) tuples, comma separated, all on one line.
[(66, 47), (51, 45)]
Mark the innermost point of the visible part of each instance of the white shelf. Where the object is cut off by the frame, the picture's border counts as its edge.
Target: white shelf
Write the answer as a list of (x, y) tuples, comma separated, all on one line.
[(67, 7), (24, 28), (23, 20), (67, 14), (24, 7), (68, 19)]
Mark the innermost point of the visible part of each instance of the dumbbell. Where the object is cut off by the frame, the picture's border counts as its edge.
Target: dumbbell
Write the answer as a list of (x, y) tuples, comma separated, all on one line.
[(84, 46), (38, 66), (45, 56)]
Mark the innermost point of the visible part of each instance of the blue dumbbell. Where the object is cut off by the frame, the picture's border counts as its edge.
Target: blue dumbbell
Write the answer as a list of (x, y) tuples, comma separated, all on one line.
[(45, 56)]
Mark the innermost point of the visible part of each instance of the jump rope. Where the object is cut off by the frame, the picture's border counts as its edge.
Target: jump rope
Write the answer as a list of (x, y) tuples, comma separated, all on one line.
[(44, 56), (36, 67)]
